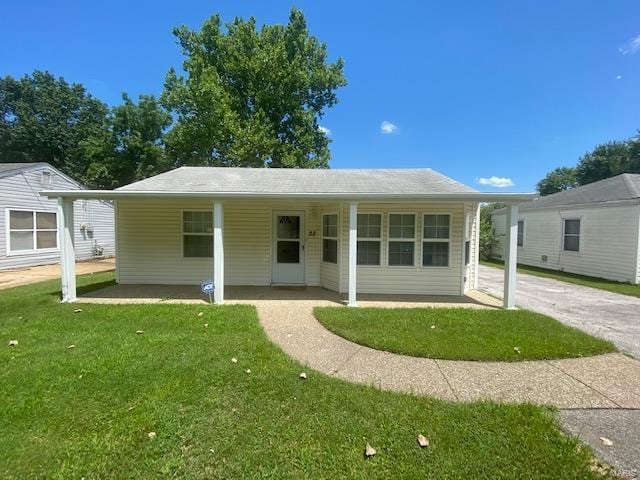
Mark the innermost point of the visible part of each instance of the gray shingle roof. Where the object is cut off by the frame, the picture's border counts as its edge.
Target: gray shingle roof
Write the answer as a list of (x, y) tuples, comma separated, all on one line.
[(620, 187), (7, 167), (295, 181)]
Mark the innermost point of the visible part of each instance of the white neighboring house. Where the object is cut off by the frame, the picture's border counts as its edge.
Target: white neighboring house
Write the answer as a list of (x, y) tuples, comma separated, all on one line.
[(351, 231), (591, 230), (29, 223)]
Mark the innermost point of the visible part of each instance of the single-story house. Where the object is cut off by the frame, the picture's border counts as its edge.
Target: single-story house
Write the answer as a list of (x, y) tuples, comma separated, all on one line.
[(590, 230), (29, 227), (351, 231)]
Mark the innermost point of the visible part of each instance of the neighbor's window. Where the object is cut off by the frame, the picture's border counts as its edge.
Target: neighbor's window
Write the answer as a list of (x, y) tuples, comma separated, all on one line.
[(520, 233), (30, 231), (436, 237), (330, 238), (369, 232), (402, 237), (197, 234), (571, 242)]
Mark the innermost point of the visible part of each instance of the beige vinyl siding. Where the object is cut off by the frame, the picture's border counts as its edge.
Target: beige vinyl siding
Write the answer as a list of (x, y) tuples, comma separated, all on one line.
[(150, 242), (20, 191), (404, 279), (608, 241)]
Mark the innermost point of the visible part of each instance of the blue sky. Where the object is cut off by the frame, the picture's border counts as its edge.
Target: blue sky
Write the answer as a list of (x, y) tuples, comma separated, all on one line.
[(472, 89)]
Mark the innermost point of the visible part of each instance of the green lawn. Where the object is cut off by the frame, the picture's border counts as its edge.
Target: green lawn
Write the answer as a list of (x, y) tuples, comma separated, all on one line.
[(593, 282), (86, 412), (461, 333)]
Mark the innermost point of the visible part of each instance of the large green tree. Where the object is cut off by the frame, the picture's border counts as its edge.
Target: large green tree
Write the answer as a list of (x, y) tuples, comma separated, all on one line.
[(604, 161), (46, 119), (136, 150), (251, 97), (562, 178)]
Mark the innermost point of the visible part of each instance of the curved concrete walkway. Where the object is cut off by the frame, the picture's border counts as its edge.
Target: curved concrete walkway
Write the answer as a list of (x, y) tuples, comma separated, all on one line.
[(605, 381)]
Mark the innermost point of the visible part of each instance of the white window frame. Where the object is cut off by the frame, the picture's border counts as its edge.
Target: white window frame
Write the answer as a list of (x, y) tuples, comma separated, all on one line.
[(423, 240), (35, 249), (579, 235), (371, 239), (336, 238), (518, 244), (183, 233), (404, 240)]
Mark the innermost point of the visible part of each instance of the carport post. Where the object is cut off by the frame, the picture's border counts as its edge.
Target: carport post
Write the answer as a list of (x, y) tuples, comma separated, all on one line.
[(353, 247), (511, 257), (67, 249), (218, 252)]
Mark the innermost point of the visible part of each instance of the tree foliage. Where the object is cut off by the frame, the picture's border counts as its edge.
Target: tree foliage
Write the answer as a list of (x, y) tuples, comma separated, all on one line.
[(251, 97), (488, 237), (46, 119), (604, 161), (558, 180)]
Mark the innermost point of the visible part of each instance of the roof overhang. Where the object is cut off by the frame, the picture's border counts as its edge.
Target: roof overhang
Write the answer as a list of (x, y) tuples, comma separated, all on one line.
[(328, 196)]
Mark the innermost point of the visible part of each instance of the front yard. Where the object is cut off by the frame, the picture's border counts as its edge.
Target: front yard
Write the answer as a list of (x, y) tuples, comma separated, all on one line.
[(462, 333), (81, 393)]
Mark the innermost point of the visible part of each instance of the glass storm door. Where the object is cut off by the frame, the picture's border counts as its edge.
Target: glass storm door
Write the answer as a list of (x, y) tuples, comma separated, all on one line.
[(288, 248)]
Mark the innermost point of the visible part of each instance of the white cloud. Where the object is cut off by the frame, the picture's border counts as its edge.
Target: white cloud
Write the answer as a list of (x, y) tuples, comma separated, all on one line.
[(387, 127), (497, 182), (618, 77), (325, 130), (631, 47)]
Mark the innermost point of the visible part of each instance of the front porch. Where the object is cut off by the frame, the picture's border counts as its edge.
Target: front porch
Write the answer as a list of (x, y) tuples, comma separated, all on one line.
[(190, 294)]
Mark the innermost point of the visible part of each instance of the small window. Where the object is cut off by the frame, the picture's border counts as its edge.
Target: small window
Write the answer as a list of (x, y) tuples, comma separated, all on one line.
[(402, 234), (197, 234), (29, 231), (330, 238), (520, 233), (571, 241), (369, 232), (436, 237)]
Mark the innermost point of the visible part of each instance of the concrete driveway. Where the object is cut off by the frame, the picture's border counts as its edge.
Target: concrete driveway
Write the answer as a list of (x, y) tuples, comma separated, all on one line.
[(24, 276), (605, 314)]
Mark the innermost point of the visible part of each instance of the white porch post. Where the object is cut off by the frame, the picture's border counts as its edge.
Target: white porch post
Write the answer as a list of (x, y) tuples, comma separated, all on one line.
[(353, 247), (218, 252), (67, 250), (511, 257)]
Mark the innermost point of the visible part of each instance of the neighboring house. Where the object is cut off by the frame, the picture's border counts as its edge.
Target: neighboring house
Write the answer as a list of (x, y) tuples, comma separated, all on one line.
[(397, 231), (591, 230), (28, 221)]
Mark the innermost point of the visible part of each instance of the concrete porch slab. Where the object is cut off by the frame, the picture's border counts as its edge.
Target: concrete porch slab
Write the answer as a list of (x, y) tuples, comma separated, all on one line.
[(311, 296)]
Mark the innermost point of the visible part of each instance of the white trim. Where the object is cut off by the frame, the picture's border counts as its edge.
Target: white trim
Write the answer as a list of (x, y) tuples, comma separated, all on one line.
[(440, 240), (218, 252), (372, 239), (342, 196), (65, 222), (202, 234), (302, 243), (511, 257), (34, 241), (405, 240), (116, 240), (353, 255), (579, 235), (466, 237), (336, 238)]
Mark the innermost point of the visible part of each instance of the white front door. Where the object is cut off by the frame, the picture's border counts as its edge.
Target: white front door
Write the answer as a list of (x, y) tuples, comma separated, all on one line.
[(288, 247)]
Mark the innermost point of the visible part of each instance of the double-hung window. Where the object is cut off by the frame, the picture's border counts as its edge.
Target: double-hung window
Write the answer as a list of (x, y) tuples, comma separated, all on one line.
[(436, 238), (571, 240), (197, 234), (369, 233), (520, 233), (330, 238), (402, 239), (32, 231)]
